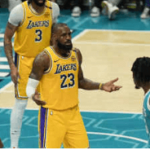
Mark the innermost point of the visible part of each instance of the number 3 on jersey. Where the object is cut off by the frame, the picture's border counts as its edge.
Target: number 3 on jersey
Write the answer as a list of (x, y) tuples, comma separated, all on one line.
[(39, 35), (64, 78)]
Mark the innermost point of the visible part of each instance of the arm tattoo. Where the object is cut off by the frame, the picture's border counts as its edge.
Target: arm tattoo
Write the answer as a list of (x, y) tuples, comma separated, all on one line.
[(8, 51), (10, 26), (9, 32), (40, 63), (6, 44)]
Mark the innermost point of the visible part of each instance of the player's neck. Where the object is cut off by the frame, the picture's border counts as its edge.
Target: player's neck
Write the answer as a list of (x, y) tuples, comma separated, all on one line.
[(146, 88), (37, 9)]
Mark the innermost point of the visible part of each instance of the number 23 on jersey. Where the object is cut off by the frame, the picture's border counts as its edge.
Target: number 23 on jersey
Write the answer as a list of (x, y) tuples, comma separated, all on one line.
[(64, 79)]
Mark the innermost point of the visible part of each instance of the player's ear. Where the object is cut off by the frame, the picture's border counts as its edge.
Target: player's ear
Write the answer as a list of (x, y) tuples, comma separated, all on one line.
[(53, 36)]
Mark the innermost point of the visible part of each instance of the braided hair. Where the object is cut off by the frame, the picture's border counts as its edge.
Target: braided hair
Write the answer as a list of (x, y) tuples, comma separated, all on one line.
[(141, 69)]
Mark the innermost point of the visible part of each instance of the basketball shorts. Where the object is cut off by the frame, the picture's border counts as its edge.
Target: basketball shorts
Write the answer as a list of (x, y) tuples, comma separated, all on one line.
[(62, 127), (24, 66)]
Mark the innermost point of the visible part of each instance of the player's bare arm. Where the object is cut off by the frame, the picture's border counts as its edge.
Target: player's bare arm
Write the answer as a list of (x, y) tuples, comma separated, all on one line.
[(40, 64), (9, 32), (90, 85)]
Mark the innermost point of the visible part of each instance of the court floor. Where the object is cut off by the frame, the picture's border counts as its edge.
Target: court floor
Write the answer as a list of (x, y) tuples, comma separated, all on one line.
[(105, 130), (106, 55), (112, 120)]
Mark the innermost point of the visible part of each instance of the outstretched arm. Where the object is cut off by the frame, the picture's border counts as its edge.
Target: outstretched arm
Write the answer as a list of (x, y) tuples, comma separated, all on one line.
[(90, 85), (40, 64)]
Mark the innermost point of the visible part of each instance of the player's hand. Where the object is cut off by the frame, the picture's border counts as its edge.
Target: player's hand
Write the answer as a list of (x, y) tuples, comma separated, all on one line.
[(14, 75), (36, 99), (1, 144), (110, 87)]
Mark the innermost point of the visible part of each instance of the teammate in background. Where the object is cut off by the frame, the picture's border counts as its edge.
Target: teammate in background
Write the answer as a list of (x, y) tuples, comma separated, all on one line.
[(141, 77), (58, 68), (31, 22)]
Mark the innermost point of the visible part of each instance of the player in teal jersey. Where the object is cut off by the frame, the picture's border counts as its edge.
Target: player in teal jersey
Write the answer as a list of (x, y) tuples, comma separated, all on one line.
[(141, 77)]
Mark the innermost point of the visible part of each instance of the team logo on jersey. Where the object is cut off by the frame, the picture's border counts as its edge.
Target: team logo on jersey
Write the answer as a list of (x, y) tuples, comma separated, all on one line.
[(73, 58), (61, 68), (33, 24)]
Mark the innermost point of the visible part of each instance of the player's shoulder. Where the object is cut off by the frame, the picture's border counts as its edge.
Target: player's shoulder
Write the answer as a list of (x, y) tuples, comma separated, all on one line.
[(79, 55), (16, 15), (76, 50), (43, 56), (54, 5), (17, 8), (42, 59)]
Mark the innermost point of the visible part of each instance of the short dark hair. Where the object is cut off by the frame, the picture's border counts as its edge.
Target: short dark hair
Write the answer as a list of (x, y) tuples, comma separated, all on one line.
[(141, 69), (56, 26), (29, 1)]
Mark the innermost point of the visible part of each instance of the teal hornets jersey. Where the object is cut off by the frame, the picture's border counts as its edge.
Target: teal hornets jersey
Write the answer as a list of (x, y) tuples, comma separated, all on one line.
[(146, 114)]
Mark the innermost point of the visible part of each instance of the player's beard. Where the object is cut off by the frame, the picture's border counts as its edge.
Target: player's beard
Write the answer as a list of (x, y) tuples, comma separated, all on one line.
[(39, 4), (64, 47)]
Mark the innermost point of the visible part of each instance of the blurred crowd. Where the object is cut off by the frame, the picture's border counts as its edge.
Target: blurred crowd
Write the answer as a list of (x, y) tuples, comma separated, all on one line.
[(96, 7), (111, 7)]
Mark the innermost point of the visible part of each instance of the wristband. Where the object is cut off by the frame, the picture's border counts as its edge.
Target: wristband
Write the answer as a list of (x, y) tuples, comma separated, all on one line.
[(100, 86), (31, 86)]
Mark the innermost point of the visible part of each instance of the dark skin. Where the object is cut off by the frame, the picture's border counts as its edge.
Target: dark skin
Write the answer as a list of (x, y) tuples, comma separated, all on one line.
[(42, 63), (144, 86), (1, 144), (9, 32), (138, 85)]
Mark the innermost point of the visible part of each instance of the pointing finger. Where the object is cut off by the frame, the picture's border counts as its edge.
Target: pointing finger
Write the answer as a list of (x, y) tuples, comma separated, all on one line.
[(114, 80)]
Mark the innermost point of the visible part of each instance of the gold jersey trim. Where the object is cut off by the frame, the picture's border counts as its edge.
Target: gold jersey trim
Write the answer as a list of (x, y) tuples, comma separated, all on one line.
[(17, 95), (30, 9), (60, 55), (35, 13), (74, 49), (47, 5), (24, 15)]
